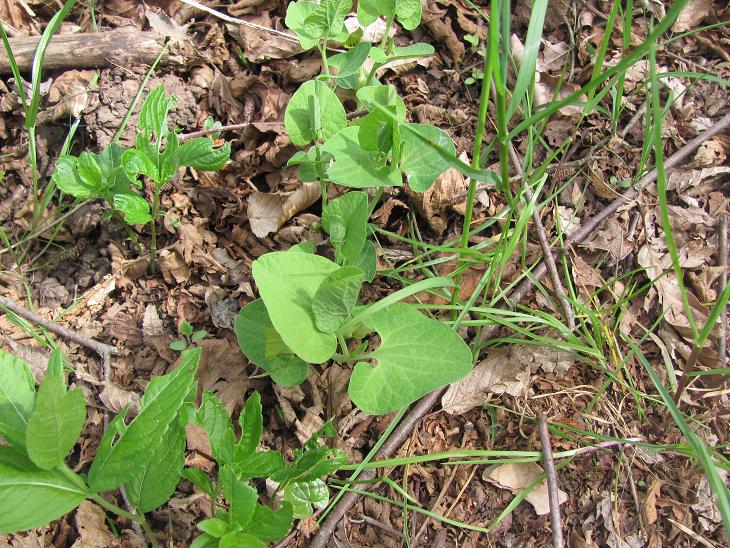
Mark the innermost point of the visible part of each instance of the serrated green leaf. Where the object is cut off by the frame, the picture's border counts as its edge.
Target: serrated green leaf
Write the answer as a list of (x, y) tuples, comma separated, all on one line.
[(155, 482), (17, 398), (178, 346), (420, 49), (122, 453), (296, 14), (336, 297), (240, 495), (355, 167), (135, 209), (416, 355), (216, 422), (110, 162), (328, 19), (199, 154), (185, 328), (271, 525), (421, 164), (408, 13), (263, 464), (303, 496), (352, 210), (31, 497), (136, 162), (288, 283), (200, 479), (154, 111), (239, 539), (57, 419), (66, 178), (253, 328), (214, 527), (298, 114), (89, 171), (251, 421)]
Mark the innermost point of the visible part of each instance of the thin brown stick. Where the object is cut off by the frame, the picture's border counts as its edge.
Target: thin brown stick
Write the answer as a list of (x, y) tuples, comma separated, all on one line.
[(424, 405), (545, 246), (233, 127), (552, 481), (96, 346), (722, 261)]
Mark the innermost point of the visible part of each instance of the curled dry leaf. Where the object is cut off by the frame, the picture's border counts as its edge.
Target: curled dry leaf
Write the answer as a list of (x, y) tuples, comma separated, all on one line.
[(69, 96), (267, 212), (505, 370), (434, 204), (259, 45), (116, 398), (692, 15), (91, 525), (516, 477)]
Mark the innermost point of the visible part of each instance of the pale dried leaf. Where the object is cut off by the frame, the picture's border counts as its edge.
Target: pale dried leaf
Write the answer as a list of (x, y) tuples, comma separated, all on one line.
[(172, 267), (648, 508), (151, 322), (165, 27), (91, 525), (267, 212), (516, 477), (116, 398), (610, 237), (682, 179), (36, 358), (692, 15)]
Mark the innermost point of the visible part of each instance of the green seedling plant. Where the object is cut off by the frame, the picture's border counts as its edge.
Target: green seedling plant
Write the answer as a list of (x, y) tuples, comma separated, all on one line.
[(188, 336), (239, 519), (146, 456), (114, 173)]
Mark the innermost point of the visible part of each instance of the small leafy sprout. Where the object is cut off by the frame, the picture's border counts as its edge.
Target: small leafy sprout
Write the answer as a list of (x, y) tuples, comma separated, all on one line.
[(244, 521), (114, 174), (189, 336)]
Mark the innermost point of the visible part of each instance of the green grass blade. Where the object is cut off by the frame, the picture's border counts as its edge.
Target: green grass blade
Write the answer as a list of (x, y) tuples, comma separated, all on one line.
[(14, 68)]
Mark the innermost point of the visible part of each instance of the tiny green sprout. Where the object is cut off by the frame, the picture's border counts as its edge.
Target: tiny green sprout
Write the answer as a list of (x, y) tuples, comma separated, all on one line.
[(473, 40), (189, 336)]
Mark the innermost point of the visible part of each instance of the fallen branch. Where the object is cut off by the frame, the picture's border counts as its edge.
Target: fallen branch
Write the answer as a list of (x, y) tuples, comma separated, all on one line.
[(424, 405), (552, 481), (98, 347), (124, 46)]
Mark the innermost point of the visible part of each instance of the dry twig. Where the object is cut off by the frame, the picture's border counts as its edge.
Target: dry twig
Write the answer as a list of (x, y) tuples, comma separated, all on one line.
[(552, 481)]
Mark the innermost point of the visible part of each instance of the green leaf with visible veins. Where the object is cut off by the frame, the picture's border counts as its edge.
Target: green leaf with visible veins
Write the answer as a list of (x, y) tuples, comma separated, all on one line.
[(288, 282), (416, 355), (124, 451), (154, 111), (240, 496), (298, 117), (296, 14), (237, 539), (336, 298), (304, 495), (57, 419), (135, 209), (216, 422), (31, 497), (356, 167), (17, 398), (155, 482), (422, 164), (200, 154), (256, 335), (369, 10), (271, 525), (328, 19), (352, 209), (136, 162), (251, 421), (89, 171), (66, 178)]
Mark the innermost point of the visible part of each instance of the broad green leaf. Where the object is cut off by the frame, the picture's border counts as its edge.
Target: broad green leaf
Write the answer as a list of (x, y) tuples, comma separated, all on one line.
[(135, 209), (420, 49), (271, 525), (367, 261), (216, 422), (336, 298), (384, 96), (89, 171), (57, 419), (408, 13), (350, 62), (199, 154), (355, 167), (298, 115), (136, 162), (66, 178), (351, 209), (369, 10), (17, 398), (416, 355), (205, 541), (155, 482), (296, 14), (240, 495), (31, 497), (251, 421), (328, 19), (239, 539), (200, 479), (154, 111), (124, 451), (308, 165), (288, 283), (253, 329), (313, 462), (215, 527), (110, 162), (378, 133), (306, 494), (263, 464), (421, 164)]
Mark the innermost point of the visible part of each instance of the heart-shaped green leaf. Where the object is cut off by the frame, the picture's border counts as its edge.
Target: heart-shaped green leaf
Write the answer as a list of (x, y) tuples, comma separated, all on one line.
[(288, 282), (296, 14), (416, 355), (313, 113), (355, 167), (351, 212), (336, 298), (422, 164), (306, 494)]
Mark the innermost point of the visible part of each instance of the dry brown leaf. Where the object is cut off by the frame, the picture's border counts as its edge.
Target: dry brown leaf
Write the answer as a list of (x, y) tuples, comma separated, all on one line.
[(439, 25), (505, 370), (267, 212), (259, 45), (516, 477), (711, 153), (222, 370), (648, 508), (585, 275), (692, 15), (610, 237), (164, 27), (91, 525), (151, 322), (682, 179), (36, 358), (434, 203), (116, 398), (172, 267)]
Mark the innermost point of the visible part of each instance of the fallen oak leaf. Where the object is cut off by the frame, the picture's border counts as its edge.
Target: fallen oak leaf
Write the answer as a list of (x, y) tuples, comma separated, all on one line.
[(517, 476), (267, 212)]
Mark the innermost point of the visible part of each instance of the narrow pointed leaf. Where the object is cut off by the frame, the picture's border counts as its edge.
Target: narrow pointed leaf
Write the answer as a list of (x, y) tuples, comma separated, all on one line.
[(251, 422)]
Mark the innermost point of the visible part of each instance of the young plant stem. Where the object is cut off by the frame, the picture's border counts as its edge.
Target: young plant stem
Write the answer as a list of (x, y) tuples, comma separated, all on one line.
[(134, 518), (323, 53), (320, 174), (383, 42), (153, 228)]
